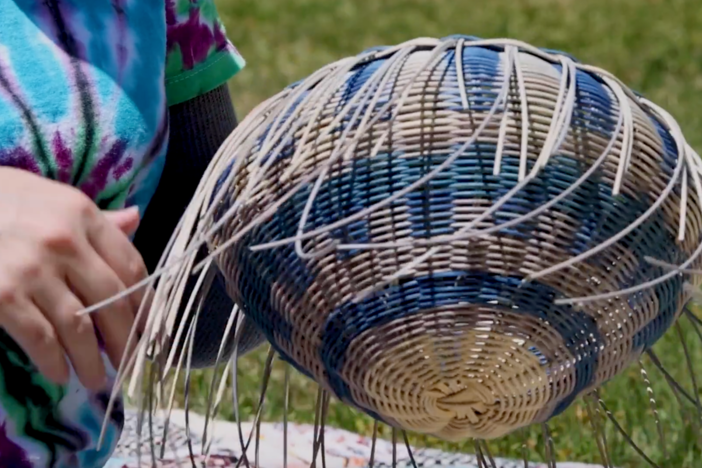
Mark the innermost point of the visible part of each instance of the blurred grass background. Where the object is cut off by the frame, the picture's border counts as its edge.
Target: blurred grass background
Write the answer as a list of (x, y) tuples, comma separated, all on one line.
[(655, 46)]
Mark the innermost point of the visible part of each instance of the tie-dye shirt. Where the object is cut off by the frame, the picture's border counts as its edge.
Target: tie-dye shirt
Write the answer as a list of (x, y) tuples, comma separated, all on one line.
[(85, 87)]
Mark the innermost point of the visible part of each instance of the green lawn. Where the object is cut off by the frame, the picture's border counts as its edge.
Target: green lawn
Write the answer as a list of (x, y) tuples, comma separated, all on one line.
[(653, 45)]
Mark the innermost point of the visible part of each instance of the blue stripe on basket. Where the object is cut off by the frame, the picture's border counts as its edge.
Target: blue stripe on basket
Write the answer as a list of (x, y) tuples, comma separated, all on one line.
[(661, 244), (260, 271), (481, 75), (218, 186), (591, 206), (475, 180), (497, 47), (669, 296), (653, 239), (355, 80), (560, 174), (432, 209), (366, 183), (481, 67), (465, 37), (289, 147), (603, 216), (594, 108), (358, 77), (670, 153), (410, 297)]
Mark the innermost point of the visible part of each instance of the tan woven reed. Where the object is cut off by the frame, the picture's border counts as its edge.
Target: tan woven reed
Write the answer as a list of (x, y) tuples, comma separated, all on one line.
[(424, 313)]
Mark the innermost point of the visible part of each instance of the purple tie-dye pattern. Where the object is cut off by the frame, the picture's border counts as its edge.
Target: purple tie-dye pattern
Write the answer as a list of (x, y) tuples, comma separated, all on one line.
[(171, 18), (123, 168), (194, 36), (11, 454), (99, 176), (199, 56), (194, 39), (113, 163), (64, 158), (19, 158)]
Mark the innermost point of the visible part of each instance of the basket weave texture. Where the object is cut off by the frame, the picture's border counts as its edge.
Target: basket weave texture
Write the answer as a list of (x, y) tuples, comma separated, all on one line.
[(427, 310)]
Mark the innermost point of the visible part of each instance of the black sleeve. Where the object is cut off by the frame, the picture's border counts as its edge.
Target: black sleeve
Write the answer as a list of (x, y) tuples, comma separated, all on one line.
[(198, 129)]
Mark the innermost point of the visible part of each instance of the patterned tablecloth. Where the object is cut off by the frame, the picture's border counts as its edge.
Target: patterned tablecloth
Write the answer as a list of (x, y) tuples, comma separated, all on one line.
[(342, 449)]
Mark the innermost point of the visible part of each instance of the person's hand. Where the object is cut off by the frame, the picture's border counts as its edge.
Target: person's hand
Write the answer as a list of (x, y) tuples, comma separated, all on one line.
[(59, 254)]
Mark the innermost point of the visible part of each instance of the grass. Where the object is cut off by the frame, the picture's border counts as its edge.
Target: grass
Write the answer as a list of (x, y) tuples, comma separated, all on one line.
[(655, 46)]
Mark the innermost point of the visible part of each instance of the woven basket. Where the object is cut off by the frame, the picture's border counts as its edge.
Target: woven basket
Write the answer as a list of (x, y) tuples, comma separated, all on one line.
[(457, 236)]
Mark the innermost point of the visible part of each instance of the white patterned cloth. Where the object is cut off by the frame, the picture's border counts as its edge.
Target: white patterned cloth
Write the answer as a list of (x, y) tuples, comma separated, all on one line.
[(343, 449)]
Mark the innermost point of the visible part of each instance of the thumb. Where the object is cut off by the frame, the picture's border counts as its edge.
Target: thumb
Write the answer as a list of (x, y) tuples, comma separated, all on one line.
[(126, 220)]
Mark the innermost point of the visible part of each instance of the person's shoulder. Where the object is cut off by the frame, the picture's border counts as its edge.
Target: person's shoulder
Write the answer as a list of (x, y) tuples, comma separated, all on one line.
[(200, 57)]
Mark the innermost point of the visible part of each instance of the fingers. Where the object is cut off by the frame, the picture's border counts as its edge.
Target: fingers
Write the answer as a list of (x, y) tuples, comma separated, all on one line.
[(36, 336), (126, 220), (111, 264), (75, 332), (64, 254), (120, 254), (93, 282)]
